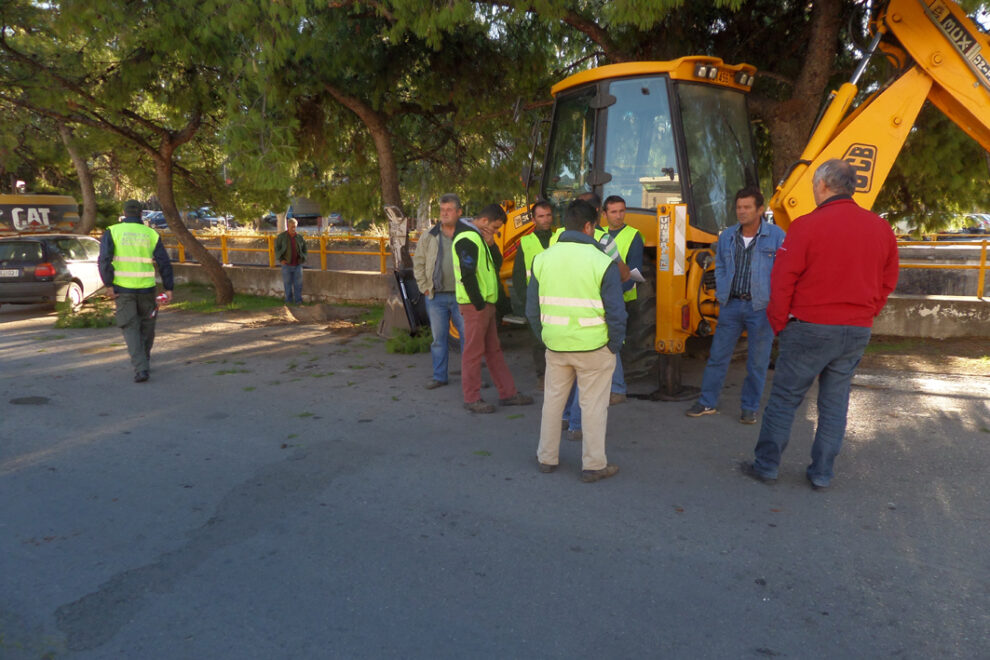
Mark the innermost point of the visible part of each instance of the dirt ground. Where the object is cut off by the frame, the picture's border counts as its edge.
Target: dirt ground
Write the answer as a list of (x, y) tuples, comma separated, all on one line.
[(965, 356)]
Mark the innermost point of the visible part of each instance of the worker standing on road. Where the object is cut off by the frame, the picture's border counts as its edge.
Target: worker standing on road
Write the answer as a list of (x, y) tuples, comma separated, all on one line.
[(129, 251), (743, 260), (630, 244), (290, 252), (574, 302), (433, 266), (531, 245), (832, 277), (477, 290)]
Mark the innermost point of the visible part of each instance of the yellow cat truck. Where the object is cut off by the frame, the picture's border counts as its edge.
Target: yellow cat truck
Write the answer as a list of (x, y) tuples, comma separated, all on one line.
[(38, 214)]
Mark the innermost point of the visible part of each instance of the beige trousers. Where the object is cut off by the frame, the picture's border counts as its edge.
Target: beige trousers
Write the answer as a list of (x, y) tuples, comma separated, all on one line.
[(593, 370)]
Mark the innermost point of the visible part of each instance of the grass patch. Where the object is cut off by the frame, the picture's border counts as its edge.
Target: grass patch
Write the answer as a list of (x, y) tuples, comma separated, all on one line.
[(305, 414), (372, 317), (224, 372), (202, 298), (405, 343), (482, 452), (881, 346), (250, 388), (99, 313)]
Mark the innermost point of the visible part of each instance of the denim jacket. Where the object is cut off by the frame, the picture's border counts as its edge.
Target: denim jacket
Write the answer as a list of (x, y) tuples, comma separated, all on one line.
[(768, 239)]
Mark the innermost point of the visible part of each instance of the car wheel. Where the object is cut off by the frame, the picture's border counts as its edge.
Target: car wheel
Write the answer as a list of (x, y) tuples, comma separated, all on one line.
[(74, 296)]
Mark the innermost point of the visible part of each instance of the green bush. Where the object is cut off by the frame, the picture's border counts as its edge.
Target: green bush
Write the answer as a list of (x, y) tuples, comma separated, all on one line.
[(404, 342), (97, 313)]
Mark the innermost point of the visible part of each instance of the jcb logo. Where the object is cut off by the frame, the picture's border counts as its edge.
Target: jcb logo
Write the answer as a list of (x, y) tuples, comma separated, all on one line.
[(862, 157)]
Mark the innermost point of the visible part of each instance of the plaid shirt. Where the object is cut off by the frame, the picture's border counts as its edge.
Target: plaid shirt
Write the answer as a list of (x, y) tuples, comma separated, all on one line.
[(741, 276)]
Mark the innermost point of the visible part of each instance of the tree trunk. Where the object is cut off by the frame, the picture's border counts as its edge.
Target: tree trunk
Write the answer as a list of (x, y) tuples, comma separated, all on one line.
[(221, 283), (87, 189)]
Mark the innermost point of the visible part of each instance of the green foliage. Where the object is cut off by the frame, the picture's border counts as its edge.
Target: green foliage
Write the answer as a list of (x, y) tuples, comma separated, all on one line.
[(402, 341), (96, 313)]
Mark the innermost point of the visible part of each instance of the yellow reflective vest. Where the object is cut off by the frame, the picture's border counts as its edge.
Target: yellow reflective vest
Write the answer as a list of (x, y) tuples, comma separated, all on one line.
[(531, 246), (571, 309), (133, 249), (623, 240), (487, 277)]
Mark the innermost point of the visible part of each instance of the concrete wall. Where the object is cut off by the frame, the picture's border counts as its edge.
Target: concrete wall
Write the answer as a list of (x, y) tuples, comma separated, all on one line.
[(939, 282), (937, 317), (322, 286)]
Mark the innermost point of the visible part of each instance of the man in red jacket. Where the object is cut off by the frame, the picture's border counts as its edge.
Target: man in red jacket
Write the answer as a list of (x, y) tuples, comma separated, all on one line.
[(831, 277)]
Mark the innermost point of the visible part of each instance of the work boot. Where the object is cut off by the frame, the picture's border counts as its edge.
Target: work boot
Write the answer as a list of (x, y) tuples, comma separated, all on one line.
[(141, 376), (575, 434), (518, 399), (479, 406), (434, 384), (546, 468), (747, 417), (591, 476)]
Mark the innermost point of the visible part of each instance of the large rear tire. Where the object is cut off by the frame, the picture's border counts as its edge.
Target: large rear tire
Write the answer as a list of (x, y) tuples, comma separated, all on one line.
[(639, 354)]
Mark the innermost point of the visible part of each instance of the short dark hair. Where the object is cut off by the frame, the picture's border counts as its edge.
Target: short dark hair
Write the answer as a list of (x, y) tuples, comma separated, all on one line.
[(751, 191), (493, 212), (612, 199), (838, 175), (591, 198), (451, 198), (543, 204), (579, 213)]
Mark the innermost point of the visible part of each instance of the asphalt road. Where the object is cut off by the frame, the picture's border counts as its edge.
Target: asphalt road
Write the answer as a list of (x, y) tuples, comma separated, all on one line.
[(283, 492)]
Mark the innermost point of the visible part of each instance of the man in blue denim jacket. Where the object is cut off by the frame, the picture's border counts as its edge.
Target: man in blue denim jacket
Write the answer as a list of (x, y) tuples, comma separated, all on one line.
[(743, 261)]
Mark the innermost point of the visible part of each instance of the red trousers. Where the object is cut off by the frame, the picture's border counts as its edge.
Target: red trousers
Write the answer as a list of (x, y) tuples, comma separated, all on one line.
[(481, 341)]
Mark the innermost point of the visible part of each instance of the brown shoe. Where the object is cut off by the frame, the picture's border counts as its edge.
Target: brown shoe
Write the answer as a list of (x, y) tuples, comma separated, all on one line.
[(546, 468), (576, 434), (615, 399), (517, 400), (591, 476), (434, 384), (479, 406)]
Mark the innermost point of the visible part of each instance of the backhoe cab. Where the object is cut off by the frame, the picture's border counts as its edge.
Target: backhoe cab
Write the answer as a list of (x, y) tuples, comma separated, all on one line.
[(673, 139)]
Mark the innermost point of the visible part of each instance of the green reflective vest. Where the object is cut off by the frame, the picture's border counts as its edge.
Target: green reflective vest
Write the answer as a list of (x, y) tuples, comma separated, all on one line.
[(133, 247), (531, 246), (623, 240), (487, 277), (571, 308)]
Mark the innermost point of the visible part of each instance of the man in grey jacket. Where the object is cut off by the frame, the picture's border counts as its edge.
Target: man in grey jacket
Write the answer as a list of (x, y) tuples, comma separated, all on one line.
[(433, 267)]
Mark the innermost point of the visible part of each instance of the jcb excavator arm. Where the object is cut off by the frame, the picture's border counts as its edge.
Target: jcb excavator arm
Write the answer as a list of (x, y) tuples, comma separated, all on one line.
[(949, 65)]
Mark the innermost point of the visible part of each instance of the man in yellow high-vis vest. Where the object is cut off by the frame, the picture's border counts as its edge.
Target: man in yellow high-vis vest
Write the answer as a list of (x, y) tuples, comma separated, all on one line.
[(477, 286), (630, 244), (128, 253), (574, 303)]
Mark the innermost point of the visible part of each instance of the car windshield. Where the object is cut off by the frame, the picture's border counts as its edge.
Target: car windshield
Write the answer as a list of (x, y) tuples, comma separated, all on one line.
[(20, 251)]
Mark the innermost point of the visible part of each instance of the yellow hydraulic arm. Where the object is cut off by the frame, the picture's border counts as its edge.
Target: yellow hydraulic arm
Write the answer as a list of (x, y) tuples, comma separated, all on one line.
[(949, 66)]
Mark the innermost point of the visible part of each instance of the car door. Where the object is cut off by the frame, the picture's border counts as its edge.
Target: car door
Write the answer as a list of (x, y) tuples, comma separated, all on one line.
[(81, 258)]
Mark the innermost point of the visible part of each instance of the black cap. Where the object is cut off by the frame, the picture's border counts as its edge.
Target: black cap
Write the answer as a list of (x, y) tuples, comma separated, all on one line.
[(132, 207)]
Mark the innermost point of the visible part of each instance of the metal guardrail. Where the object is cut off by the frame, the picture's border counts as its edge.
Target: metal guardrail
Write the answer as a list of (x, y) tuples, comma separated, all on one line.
[(981, 267), (228, 244)]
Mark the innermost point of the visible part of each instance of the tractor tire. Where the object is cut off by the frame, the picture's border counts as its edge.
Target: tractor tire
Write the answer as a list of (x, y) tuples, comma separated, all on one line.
[(639, 354)]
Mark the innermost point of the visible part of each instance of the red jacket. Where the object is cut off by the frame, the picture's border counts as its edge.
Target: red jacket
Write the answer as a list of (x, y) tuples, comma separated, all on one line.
[(836, 266)]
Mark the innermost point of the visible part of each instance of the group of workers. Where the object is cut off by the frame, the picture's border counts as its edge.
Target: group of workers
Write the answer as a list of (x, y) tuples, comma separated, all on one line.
[(818, 289)]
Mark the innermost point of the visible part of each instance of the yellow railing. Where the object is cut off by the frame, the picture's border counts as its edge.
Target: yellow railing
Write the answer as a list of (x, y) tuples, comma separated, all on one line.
[(229, 244), (981, 267)]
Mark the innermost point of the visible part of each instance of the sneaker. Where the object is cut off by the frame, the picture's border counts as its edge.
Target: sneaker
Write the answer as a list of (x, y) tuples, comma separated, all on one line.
[(546, 468), (575, 434), (479, 406), (747, 468), (518, 399), (615, 399), (434, 384), (697, 410), (748, 417), (591, 476)]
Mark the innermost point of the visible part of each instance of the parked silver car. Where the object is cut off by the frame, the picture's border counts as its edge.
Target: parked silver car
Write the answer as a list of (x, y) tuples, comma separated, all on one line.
[(49, 268)]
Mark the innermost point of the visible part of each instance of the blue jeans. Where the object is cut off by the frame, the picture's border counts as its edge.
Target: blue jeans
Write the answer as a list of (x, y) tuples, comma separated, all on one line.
[(734, 317), (808, 351), (292, 283), (442, 309)]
